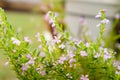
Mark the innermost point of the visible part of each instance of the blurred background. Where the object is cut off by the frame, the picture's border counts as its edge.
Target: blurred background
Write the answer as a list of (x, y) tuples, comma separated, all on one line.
[(76, 16)]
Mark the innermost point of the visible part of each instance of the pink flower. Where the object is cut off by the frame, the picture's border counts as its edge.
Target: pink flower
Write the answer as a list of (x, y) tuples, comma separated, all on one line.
[(57, 39), (97, 55), (87, 44), (39, 40), (37, 35), (42, 54), (83, 53), (43, 72), (31, 61), (29, 56), (40, 46), (24, 67), (118, 67), (62, 46), (98, 25), (82, 21), (107, 56), (15, 41), (84, 77), (98, 15), (72, 60), (105, 21), (71, 55), (26, 39), (62, 59)]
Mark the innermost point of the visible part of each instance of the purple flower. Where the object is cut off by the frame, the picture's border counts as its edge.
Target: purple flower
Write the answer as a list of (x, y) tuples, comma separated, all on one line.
[(42, 54), (43, 72), (57, 39), (83, 53), (62, 46), (40, 46), (87, 44), (105, 21), (31, 62), (53, 25), (24, 67), (97, 55), (84, 77), (82, 21), (15, 41), (26, 39), (98, 15), (77, 41), (37, 35), (62, 59), (107, 56), (71, 55), (118, 67), (39, 40), (29, 56), (72, 60), (98, 25)]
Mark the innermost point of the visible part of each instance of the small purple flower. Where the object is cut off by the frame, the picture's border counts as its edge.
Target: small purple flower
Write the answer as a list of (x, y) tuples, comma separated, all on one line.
[(107, 56), (57, 39), (43, 72), (26, 39), (39, 40), (37, 35), (87, 44), (62, 46), (40, 46), (62, 59), (82, 21), (105, 21), (84, 77), (83, 53), (24, 67), (77, 41), (29, 56), (31, 62), (15, 41), (97, 55), (53, 25), (98, 15), (105, 10), (71, 55), (118, 67), (98, 25), (72, 60), (42, 54), (51, 21)]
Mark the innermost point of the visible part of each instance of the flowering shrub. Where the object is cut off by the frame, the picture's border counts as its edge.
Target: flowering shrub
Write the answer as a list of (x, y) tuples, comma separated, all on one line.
[(62, 58)]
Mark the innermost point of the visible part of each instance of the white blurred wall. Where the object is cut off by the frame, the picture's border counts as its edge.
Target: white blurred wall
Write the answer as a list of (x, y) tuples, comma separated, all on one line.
[(88, 9)]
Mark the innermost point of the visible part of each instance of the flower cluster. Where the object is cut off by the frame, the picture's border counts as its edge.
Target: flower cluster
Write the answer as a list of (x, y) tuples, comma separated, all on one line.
[(64, 57)]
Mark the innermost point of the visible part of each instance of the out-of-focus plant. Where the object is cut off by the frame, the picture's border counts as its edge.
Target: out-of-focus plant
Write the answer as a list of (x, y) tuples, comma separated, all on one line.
[(112, 41), (56, 6), (63, 57)]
